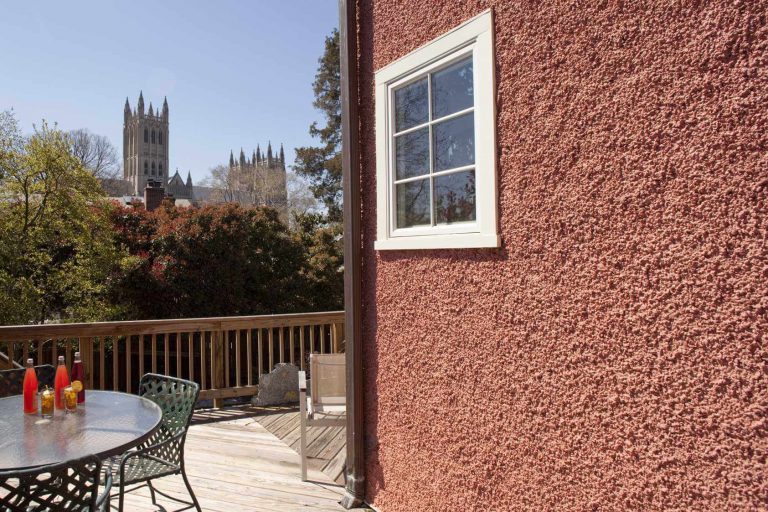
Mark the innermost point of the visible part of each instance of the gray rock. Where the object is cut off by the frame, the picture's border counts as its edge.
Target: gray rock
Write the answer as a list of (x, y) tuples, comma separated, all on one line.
[(280, 386)]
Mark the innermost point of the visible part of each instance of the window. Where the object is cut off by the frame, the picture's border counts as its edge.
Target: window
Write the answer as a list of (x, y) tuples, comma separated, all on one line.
[(436, 144), (146, 168), (160, 138), (153, 168), (160, 169), (153, 136), (146, 135)]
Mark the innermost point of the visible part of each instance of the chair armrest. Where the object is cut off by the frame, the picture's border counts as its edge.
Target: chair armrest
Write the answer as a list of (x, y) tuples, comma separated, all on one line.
[(303, 381), (103, 498)]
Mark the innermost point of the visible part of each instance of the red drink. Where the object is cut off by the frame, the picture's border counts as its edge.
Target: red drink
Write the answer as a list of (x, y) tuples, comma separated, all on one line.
[(30, 389), (78, 374), (60, 382)]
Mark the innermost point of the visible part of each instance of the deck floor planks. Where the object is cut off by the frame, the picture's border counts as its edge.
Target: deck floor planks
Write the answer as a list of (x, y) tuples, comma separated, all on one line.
[(235, 463)]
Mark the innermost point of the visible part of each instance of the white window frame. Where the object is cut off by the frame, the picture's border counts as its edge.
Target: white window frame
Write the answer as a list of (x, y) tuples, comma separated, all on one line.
[(474, 37)]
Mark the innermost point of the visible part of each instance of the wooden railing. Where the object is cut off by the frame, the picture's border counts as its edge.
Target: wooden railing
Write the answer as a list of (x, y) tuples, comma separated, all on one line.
[(225, 355)]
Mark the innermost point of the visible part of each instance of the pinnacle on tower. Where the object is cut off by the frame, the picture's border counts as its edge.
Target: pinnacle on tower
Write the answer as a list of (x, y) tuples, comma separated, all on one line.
[(127, 109), (165, 108), (231, 159), (282, 156), (141, 103), (253, 159), (269, 154), (150, 109), (189, 179), (258, 154), (242, 158)]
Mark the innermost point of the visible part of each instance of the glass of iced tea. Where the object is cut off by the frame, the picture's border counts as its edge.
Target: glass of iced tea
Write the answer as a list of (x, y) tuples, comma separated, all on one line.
[(47, 398), (70, 399)]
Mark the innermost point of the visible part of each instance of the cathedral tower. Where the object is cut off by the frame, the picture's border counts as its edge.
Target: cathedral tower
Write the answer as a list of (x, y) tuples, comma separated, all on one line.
[(145, 145)]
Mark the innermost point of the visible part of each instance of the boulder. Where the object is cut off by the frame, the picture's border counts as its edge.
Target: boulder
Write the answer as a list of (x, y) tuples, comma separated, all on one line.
[(280, 386)]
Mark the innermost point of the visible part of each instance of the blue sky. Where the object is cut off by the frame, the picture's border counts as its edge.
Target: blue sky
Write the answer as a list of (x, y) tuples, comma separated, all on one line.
[(235, 72)]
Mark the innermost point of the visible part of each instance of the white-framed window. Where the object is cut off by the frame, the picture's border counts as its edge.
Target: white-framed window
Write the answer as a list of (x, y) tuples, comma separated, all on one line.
[(436, 143)]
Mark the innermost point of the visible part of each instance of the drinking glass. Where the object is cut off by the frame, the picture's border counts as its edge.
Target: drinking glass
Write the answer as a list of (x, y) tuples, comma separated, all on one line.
[(70, 399), (47, 398)]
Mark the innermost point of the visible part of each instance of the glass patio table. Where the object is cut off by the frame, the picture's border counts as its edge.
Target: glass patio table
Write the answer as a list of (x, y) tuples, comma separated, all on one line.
[(107, 424)]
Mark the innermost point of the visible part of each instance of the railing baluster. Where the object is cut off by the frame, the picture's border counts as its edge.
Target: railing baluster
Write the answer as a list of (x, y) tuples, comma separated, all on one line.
[(301, 347), (271, 339), (154, 353), (178, 354), (102, 364), (191, 355), (249, 355), (92, 369), (322, 338), (25, 351), (202, 360), (115, 359), (128, 357), (311, 339), (142, 342), (260, 353), (282, 343), (225, 341), (68, 352), (237, 358), (291, 342), (166, 353)]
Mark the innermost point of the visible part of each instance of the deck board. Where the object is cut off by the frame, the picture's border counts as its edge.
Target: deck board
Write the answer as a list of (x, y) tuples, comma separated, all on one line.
[(235, 462)]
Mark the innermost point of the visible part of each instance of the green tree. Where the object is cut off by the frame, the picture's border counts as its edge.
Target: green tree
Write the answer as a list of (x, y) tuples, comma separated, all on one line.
[(321, 165), (57, 254)]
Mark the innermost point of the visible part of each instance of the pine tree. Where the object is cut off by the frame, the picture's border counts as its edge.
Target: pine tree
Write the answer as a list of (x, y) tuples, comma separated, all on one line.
[(321, 165)]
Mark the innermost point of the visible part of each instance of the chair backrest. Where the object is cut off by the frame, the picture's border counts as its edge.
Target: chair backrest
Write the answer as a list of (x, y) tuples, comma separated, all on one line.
[(177, 399), (328, 378), (71, 485), (12, 381)]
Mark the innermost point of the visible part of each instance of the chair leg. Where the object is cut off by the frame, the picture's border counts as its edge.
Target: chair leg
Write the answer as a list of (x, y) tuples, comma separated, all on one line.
[(303, 454), (189, 488), (152, 492)]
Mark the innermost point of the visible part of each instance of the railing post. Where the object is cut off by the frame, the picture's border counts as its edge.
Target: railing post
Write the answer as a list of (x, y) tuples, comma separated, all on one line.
[(337, 336), (217, 354)]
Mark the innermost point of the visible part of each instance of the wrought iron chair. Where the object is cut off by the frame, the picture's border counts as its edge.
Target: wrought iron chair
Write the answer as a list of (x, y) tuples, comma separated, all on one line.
[(71, 485), (12, 381), (327, 404), (163, 453)]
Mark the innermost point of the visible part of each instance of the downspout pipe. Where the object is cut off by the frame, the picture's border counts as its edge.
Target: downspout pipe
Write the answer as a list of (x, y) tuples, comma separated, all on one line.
[(355, 489)]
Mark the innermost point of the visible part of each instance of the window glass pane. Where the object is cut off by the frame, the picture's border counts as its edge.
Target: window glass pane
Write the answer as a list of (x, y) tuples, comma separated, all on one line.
[(452, 89), (413, 204), (455, 197), (454, 143), (411, 107), (412, 154)]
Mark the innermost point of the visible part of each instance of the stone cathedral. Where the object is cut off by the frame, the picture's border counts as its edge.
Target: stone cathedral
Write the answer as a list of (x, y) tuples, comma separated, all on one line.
[(145, 151)]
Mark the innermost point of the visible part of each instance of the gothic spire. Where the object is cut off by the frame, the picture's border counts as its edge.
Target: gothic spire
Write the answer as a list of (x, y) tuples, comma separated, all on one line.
[(141, 103), (258, 153), (165, 108), (269, 154), (242, 158), (231, 159), (150, 109), (253, 159), (282, 155), (189, 179), (127, 105)]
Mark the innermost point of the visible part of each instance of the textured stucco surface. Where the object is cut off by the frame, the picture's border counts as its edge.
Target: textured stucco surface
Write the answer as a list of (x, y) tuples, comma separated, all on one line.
[(612, 355)]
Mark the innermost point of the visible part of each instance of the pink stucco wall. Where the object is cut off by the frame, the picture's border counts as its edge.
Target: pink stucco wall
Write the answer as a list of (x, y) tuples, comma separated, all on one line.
[(612, 355)]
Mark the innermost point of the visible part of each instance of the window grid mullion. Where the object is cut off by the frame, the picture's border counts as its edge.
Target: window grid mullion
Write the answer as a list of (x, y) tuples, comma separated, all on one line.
[(436, 174), (431, 155)]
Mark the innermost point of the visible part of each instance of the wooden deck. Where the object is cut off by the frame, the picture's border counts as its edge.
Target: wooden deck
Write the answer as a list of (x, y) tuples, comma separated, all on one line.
[(241, 459)]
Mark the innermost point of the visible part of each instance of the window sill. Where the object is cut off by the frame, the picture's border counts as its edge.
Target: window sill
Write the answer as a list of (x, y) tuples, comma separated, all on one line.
[(462, 241)]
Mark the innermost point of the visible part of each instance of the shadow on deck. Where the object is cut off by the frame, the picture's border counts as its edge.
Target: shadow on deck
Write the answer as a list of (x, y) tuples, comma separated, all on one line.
[(245, 458)]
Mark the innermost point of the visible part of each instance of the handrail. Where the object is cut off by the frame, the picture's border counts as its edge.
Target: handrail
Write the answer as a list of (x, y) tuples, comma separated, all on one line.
[(225, 355)]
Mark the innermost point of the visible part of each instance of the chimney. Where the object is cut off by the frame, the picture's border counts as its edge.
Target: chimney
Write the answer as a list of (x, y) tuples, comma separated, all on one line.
[(153, 195)]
